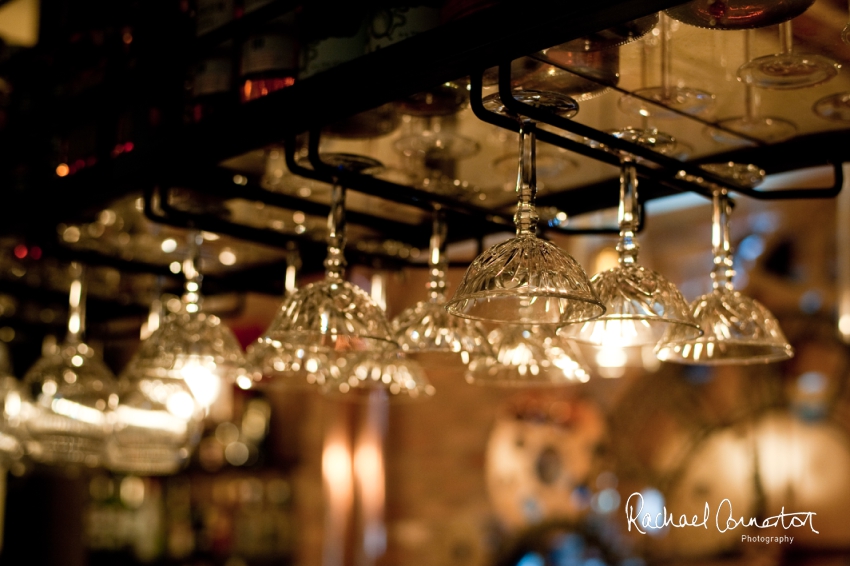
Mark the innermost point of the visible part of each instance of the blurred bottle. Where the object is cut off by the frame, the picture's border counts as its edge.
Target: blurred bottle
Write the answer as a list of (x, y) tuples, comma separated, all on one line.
[(211, 83), (269, 57)]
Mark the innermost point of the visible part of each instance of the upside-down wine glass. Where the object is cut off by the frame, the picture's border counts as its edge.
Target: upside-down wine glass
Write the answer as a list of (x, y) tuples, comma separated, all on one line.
[(737, 14), (157, 422), (641, 304), (527, 357), (738, 329), (274, 367), (389, 375), (324, 323), (426, 327), (667, 100), (193, 346), (768, 129), (527, 280), (788, 70), (71, 391), (12, 434)]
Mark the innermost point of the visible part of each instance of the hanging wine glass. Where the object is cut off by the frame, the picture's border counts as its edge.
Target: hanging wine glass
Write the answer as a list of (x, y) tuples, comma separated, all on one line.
[(768, 129), (640, 304), (426, 327), (667, 100), (389, 374), (737, 14), (157, 422), (432, 142), (579, 74), (393, 373), (788, 70), (276, 367), (332, 317), (738, 329), (527, 280), (71, 390), (12, 434), (193, 346), (526, 356)]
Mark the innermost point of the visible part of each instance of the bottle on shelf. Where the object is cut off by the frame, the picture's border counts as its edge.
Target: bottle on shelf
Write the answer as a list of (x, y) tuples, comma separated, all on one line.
[(269, 59)]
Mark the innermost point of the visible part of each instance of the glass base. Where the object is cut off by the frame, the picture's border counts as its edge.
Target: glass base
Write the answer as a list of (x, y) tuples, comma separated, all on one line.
[(743, 174), (655, 102), (767, 129), (788, 71), (737, 14), (559, 104), (835, 107), (437, 146)]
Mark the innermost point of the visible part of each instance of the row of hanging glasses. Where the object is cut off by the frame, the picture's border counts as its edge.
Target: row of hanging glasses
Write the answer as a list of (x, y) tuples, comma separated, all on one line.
[(522, 315)]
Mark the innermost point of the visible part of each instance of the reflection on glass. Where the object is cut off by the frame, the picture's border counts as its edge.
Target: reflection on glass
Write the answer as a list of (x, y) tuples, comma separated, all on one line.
[(393, 373), (526, 356), (738, 329), (71, 389), (527, 280)]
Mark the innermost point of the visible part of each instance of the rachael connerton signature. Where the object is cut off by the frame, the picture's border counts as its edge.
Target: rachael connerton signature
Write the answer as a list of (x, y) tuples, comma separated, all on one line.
[(724, 518)]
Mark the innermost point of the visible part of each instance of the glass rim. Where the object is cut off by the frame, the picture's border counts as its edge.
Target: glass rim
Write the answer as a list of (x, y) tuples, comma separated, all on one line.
[(451, 306)]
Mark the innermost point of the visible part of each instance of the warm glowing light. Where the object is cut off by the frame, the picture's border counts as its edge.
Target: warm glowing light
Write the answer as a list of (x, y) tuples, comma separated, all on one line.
[(181, 404), (203, 382), (77, 412), (227, 257), (20, 251), (175, 267), (844, 324), (151, 420), (62, 170), (168, 245)]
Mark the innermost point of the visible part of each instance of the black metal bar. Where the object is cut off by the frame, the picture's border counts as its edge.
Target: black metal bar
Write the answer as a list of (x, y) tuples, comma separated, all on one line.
[(673, 169), (219, 182), (470, 219), (158, 210)]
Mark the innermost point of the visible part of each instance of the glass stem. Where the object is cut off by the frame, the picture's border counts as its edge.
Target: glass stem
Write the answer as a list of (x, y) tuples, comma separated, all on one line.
[(723, 271), (628, 212), (666, 56), (751, 102), (192, 290), (335, 260), (786, 37), (526, 185), (77, 304), (293, 263), (437, 258)]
